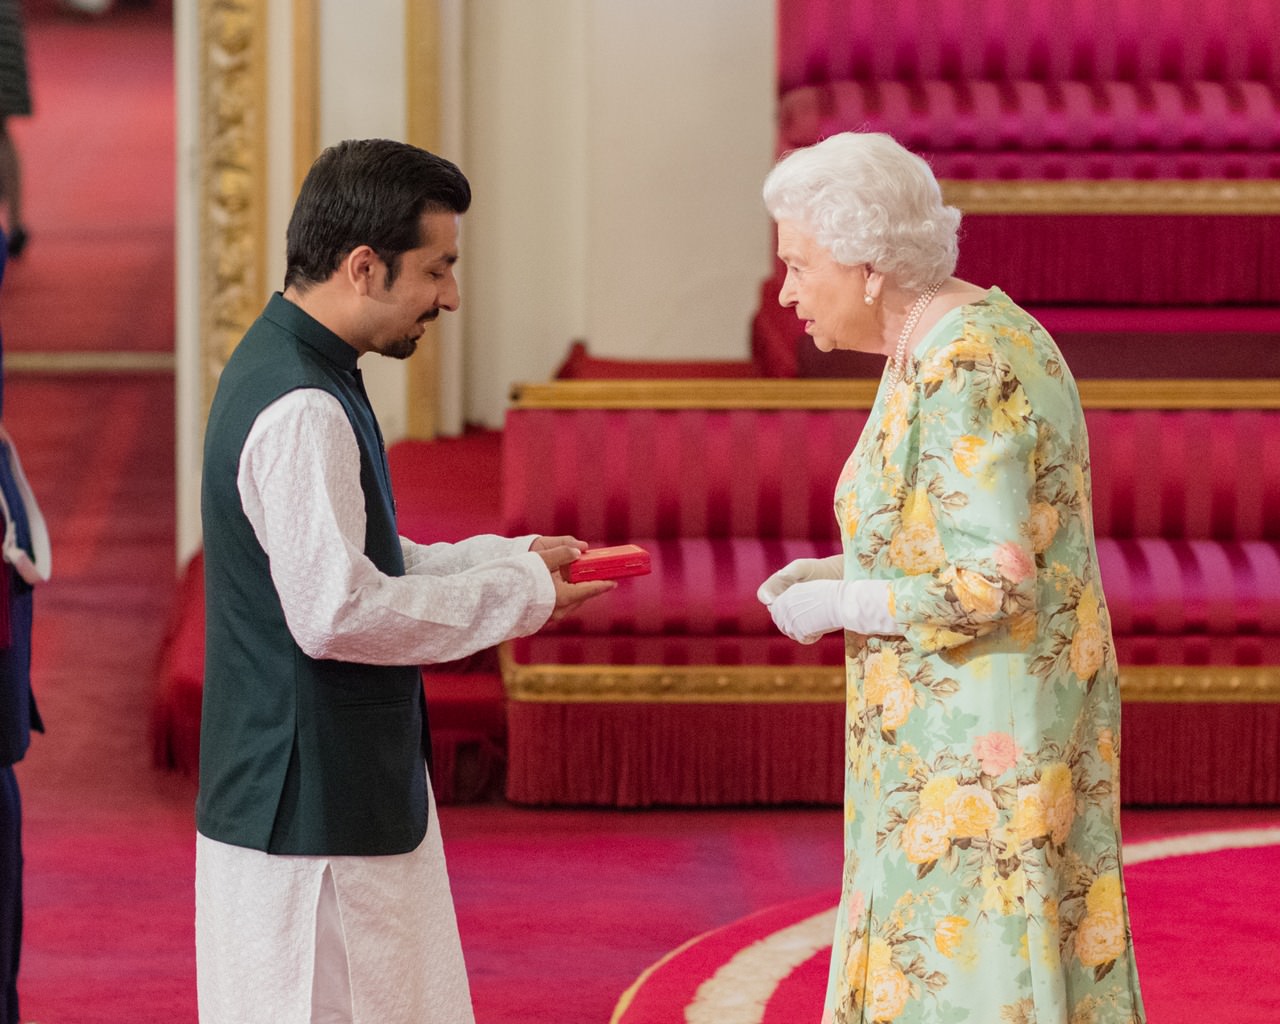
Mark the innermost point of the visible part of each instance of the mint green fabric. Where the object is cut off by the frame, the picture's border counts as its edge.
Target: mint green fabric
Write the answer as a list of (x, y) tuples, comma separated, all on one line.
[(982, 879)]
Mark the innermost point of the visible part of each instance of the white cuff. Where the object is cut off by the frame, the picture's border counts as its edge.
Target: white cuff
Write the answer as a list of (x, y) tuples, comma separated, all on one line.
[(864, 608)]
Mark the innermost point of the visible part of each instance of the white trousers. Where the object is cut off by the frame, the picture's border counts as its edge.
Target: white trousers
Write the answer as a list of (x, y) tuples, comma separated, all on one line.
[(328, 940)]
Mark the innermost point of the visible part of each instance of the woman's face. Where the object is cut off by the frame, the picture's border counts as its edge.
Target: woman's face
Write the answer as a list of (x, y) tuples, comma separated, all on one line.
[(828, 296)]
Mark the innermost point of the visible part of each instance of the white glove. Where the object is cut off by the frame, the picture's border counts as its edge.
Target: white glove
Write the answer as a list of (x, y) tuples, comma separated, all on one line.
[(807, 610), (800, 571)]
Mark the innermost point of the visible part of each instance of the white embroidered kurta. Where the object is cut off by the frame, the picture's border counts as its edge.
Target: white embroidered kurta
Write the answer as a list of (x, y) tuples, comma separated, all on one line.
[(299, 483)]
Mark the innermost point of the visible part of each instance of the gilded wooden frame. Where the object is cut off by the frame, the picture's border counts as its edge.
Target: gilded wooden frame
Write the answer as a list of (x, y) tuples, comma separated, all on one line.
[(792, 393), (788, 684), (423, 128), (1116, 196), (232, 169)]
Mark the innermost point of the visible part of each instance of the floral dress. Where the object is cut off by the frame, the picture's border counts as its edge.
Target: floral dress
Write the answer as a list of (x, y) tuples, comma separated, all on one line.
[(982, 878)]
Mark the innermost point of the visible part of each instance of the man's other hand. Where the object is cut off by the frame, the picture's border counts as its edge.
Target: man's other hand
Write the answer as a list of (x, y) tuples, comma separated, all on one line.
[(557, 552)]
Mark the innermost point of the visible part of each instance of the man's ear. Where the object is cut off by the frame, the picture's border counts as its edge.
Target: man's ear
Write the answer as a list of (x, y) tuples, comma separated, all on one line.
[(361, 267)]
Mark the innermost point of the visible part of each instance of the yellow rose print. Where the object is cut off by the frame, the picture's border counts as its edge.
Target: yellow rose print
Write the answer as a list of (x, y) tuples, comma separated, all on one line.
[(1088, 642), (925, 837), (1107, 747), (888, 994), (1043, 525), (935, 638), (949, 933), (851, 519), (1010, 414), (967, 452), (893, 424), (879, 955), (1087, 651), (1059, 796), (977, 594), (971, 812), (934, 794), (1030, 818), (1100, 938), (1104, 894), (1024, 629), (855, 962), (916, 547), (898, 702), (879, 676), (1087, 608)]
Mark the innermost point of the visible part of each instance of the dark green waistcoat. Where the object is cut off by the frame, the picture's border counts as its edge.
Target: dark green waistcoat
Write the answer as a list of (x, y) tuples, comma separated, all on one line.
[(298, 755)]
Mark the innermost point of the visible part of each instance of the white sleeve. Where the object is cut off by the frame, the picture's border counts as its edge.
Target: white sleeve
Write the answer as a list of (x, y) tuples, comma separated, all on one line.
[(441, 559), (299, 484)]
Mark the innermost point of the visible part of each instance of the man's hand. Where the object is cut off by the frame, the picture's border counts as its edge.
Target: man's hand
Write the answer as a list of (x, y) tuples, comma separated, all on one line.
[(547, 543), (558, 552)]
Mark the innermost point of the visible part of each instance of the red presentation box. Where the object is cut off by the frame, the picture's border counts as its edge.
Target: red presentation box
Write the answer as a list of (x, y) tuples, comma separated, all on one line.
[(609, 563)]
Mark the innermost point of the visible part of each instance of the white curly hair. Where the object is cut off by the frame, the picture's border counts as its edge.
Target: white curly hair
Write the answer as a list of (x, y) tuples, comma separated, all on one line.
[(867, 199)]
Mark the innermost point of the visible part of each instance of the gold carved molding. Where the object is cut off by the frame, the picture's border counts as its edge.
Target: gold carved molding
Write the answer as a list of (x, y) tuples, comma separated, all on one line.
[(306, 88), (787, 684), (232, 167), (792, 393), (423, 128), (1116, 196)]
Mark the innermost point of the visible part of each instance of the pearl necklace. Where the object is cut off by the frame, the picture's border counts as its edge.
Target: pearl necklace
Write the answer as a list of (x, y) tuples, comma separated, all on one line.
[(898, 364)]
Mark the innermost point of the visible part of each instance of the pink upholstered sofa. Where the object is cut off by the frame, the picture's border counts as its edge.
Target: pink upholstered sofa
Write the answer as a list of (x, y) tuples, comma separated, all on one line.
[(676, 688), (1118, 161)]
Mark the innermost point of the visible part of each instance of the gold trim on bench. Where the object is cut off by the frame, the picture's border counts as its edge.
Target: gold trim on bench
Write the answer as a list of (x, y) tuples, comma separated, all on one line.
[(1216, 684), (671, 684), (790, 684), (1115, 196), (790, 393)]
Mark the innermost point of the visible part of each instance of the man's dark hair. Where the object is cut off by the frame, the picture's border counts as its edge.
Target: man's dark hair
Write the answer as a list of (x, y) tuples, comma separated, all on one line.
[(367, 192)]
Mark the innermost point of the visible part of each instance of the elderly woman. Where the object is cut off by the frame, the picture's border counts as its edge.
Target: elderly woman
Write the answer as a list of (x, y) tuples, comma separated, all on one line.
[(982, 878)]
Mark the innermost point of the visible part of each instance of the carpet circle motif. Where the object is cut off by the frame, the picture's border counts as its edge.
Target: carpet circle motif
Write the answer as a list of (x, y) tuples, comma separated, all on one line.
[(770, 967)]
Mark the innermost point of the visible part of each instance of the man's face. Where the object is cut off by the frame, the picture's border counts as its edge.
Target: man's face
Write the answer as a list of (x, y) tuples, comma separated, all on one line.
[(826, 295), (424, 284)]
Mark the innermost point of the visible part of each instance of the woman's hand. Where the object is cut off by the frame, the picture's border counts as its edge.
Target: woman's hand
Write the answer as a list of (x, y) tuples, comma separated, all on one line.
[(808, 610), (800, 571)]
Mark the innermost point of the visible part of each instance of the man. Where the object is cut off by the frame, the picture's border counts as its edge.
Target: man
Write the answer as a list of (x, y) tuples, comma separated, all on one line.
[(321, 891)]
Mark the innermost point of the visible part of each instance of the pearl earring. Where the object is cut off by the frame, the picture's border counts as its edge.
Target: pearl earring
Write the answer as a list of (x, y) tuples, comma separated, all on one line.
[(869, 300)]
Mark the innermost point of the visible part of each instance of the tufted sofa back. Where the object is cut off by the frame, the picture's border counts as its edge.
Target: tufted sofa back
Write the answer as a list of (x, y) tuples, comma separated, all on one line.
[(1046, 41), (1047, 89), (625, 474)]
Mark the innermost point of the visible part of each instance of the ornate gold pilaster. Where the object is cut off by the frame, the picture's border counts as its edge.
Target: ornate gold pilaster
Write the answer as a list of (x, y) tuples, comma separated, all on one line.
[(422, 128), (232, 167), (306, 89)]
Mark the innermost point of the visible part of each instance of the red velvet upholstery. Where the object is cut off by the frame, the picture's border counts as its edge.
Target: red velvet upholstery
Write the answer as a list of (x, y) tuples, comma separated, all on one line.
[(1035, 41), (1054, 130), (1186, 508), (1187, 511), (1056, 90)]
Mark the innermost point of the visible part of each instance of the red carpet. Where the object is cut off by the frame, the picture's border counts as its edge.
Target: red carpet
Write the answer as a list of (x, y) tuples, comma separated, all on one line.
[(1196, 935), (97, 159)]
